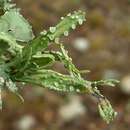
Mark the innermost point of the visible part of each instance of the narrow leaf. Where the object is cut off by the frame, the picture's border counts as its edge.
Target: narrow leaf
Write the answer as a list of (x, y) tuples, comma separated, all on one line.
[(42, 60), (8, 43), (54, 33), (67, 24), (56, 81), (106, 111)]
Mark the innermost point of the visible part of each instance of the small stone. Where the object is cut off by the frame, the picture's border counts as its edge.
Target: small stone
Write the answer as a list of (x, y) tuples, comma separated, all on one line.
[(77, 90), (125, 84), (69, 14), (23, 83), (81, 44), (62, 18), (73, 109), (26, 122)]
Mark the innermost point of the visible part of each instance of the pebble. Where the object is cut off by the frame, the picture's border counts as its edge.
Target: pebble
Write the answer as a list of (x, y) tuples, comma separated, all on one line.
[(81, 44), (125, 84), (26, 122), (73, 109)]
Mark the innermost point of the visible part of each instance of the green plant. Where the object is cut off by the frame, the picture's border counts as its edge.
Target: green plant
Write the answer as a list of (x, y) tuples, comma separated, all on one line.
[(24, 58)]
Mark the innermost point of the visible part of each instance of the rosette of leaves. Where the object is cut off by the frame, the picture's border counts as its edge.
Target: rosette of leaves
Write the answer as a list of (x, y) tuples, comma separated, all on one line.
[(28, 62)]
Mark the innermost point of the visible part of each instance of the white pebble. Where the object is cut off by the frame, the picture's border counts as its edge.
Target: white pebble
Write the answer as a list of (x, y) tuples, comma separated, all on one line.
[(81, 44), (62, 18), (125, 84), (26, 122), (73, 109)]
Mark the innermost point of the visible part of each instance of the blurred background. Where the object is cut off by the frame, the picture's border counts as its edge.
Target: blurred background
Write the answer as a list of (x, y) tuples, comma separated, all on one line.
[(101, 45)]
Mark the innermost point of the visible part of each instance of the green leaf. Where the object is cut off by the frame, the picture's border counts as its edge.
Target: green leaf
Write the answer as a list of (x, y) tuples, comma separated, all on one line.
[(106, 111), (4, 26), (35, 62), (18, 27), (6, 5), (56, 81), (42, 60), (66, 60), (67, 24), (24, 61), (68, 63), (38, 44), (1, 4), (54, 33), (8, 43), (108, 82)]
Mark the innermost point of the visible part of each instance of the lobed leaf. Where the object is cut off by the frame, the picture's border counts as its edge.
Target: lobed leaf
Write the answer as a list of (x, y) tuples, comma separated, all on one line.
[(16, 25)]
